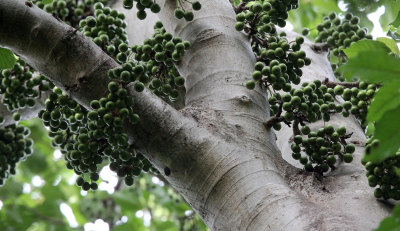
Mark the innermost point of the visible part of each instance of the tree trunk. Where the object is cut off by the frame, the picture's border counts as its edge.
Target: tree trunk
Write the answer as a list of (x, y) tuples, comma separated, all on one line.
[(223, 161)]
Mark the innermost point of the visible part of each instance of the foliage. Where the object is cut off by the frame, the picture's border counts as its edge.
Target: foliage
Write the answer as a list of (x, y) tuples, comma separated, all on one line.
[(7, 58)]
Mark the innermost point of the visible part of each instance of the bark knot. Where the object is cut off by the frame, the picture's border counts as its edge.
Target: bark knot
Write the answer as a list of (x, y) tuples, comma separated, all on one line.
[(207, 34), (320, 47), (167, 171), (244, 99), (28, 4)]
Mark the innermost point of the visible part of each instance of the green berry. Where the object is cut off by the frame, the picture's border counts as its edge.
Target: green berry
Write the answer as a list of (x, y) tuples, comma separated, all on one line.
[(250, 84)]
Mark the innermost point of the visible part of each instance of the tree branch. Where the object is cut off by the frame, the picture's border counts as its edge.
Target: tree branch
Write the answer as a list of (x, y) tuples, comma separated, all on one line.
[(332, 84), (77, 65)]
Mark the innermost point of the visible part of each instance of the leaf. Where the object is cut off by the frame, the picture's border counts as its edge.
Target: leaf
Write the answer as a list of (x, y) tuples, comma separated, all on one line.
[(396, 212), (386, 98), (7, 58), (370, 129), (165, 225), (390, 43), (372, 66), (134, 223), (392, 8), (365, 45), (396, 22), (394, 35), (47, 1), (126, 201), (387, 131), (389, 224)]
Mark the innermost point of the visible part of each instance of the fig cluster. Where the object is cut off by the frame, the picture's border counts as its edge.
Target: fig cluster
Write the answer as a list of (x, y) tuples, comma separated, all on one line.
[(265, 14), (90, 139), (384, 176), (107, 28), (19, 87), (141, 6), (312, 102), (158, 56), (322, 149), (339, 32), (15, 146), (69, 11), (279, 63), (180, 12)]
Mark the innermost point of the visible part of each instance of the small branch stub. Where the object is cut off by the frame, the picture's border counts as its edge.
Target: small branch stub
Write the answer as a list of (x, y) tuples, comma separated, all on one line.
[(330, 84)]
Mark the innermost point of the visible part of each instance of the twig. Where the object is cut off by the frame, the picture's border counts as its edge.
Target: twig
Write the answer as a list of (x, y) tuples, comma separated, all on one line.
[(273, 120), (239, 8), (296, 130), (330, 84), (320, 47)]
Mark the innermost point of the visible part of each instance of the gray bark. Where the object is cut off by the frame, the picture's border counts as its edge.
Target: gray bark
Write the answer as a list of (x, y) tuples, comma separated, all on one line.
[(223, 161)]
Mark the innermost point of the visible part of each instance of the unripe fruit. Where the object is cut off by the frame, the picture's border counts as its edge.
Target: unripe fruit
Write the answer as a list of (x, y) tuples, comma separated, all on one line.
[(250, 84)]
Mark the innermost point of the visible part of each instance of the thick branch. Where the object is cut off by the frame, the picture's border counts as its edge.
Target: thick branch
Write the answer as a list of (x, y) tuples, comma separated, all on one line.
[(78, 66), (217, 66)]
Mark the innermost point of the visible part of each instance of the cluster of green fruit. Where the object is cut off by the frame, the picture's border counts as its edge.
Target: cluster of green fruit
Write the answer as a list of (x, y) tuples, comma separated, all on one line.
[(339, 33), (384, 175), (312, 102), (19, 87), (279, 63), (107, 29), (322, 148), (158, 56), (88, 139), (15, 146), (69, 11), (180, 12), (357, 100), (141, 6), (262, 16), (69, 130)]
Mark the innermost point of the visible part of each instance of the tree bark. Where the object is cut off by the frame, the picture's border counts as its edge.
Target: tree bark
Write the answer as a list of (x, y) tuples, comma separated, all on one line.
[(223, 161)]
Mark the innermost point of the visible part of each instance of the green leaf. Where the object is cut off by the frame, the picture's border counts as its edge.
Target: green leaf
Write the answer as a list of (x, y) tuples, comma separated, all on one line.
[(7, 58), (392, 8), (390, 43), (47, 1), (370, 129), (394, 35), (396, 211), (134, 223), (381, 68), (389, 224), (386, 98), (365, 45), (310, 13), (387, 131), (396, 22)]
